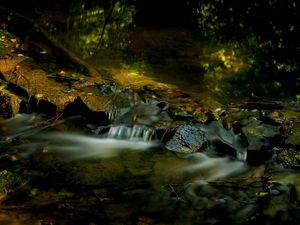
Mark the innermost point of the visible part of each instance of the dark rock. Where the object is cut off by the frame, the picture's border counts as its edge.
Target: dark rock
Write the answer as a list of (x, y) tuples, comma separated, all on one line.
[(9, 105), (78, 107), (224, 141), (187, 139), (28, 106), (5, 108), (260, 135)]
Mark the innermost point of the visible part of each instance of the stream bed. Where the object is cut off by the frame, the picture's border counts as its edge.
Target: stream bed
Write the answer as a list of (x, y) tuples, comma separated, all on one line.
[(63, 172), (149, 140)]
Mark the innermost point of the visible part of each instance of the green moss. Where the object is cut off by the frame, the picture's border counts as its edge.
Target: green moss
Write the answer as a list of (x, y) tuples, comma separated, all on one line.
[(7, 42), (8, 180)]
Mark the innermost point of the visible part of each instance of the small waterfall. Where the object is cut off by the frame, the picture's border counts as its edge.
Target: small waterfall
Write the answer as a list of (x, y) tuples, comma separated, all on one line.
[(134, 133), (139, 122)]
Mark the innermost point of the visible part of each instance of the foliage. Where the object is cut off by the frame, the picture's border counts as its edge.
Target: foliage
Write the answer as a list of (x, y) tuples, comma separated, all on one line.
[(95, 27), (268, 29), (7, 42), (8, 180)]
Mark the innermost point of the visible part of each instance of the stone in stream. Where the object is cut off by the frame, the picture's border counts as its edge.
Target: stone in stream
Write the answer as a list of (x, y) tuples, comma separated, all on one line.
[(187, 139), (212, 137), (261, 137)]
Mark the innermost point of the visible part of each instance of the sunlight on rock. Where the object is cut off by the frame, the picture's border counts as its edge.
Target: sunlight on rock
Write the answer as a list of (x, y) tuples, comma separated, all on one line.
[(136, 79)]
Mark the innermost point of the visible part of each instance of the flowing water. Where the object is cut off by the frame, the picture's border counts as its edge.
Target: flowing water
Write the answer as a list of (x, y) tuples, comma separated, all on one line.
[(63, 172), (121, 177)]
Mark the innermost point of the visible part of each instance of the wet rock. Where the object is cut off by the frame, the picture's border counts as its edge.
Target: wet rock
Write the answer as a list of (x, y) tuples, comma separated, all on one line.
[(261, 137), (288, 157), (293, 137), (79, 107), (152, 114), (143, 121), (187, 109), (240, 116), (42, 94), (224, 141), (35, 82), (187, 139), (181, 105)]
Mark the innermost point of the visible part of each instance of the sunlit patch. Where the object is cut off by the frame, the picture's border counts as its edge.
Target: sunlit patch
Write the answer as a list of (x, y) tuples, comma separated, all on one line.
[(136, 79), (225, 62)]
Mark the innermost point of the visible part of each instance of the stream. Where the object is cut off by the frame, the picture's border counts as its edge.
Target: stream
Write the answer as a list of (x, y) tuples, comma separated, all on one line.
[(150, 140), (67, 172)]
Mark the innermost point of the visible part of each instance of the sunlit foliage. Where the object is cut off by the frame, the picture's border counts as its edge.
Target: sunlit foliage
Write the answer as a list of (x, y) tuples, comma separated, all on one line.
[(7, 41), (268, 29), (88, 27), (96, 27)]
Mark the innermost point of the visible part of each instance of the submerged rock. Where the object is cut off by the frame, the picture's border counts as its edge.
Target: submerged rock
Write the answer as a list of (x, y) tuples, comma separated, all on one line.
[(187, 139)]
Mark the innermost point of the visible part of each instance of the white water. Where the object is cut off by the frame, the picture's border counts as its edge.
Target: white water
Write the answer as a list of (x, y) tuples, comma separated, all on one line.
[(120, 138), (137, 132), (76, 146), (201, 167), (206, 168)]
